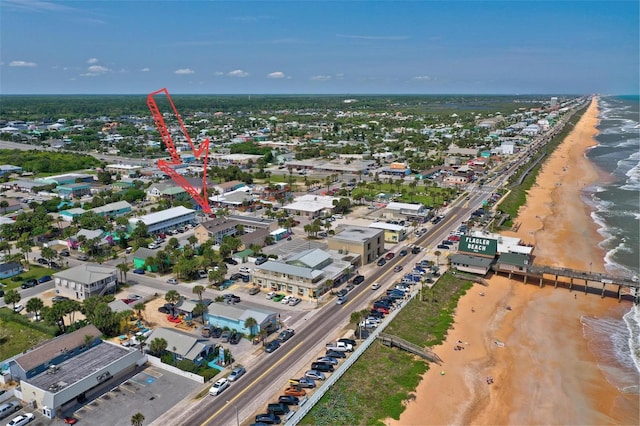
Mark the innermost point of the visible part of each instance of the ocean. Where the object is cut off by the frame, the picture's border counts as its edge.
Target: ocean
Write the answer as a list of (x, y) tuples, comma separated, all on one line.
[(615, 339)]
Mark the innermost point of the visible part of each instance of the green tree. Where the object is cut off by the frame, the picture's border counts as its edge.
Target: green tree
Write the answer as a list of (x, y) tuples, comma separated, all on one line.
[(199, 290), (172, 297), (199, 310), (251, 323), (157, 346), (137, 419), (48, 253), (139, 308), (34, 305), (12, 297), (4, 204), (123, 268)]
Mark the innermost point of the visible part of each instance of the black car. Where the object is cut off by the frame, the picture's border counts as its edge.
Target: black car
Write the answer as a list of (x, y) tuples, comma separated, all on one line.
[(272, 346), (286, 335), (231, 298), (29, 283), (324, 367), (358, 279), (65, 253), (415, 250), (54, 265), (268, 418), (261, 259), (56, 299), (235, 337), (163, 310), (402, 253), (348, 341), (334, 354), (443, 247), (216, 332), (230, 261), (236, 276), (289, 400), (342, 292), (382, 261), (42, 261), (376, 314)]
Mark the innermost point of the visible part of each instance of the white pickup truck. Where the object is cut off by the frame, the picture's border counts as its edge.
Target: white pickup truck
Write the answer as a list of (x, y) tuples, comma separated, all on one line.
[(339, 346)]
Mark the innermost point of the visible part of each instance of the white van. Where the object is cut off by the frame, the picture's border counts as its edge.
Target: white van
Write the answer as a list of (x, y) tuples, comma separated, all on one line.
[(9, 408)]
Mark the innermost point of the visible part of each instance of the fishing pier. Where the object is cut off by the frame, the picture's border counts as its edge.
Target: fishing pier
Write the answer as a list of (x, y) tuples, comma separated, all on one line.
[(573, 277)]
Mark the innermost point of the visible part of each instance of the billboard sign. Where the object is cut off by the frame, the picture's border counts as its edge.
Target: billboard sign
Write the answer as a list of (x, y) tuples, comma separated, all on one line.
[(478, 245)]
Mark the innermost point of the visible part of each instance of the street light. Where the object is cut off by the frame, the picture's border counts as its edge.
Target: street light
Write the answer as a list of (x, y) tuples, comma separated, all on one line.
[(236, 407)]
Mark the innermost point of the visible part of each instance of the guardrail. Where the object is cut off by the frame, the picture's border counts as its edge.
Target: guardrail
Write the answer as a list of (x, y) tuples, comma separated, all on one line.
[(337, 374)]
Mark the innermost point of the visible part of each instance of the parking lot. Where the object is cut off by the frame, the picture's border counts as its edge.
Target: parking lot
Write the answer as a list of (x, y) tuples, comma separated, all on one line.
[(149, 392)]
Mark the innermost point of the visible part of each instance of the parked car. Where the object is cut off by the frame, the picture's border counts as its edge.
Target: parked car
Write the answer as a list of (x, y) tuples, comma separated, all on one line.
[(270, 295), (245, 270), (335, 354), (278, 408), (56, 299), (381, 261), (138, 271), (315, 375), (21, 419), (230, 261), (358, 279), (219, 386), (272, 346), (322, 367), (443, 247), (164, 310), (288, 399), (42, 261), (236, 276), (295, 391), (286, 299), (225, 336), (172, 281), (234, 338), (237, 373), (18, 307), (347, 341), (331, 360), (83, 257), (342, 293), (65, 253), (341, 300), (268, 418), (254, 290), (294, 301), (306, 383), (350, 287), (261, 259), (390, 255), (29, 283), (278, 297)]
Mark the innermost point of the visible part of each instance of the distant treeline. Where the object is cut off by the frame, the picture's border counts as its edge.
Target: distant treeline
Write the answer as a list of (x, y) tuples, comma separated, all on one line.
[(47, 161), (43, 107)]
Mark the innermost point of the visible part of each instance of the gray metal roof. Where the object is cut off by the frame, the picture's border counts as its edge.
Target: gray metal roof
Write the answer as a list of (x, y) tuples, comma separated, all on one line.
[(240, 314), (86, 273), (465, 259), (314, 258), (161, 216), (284, 268), (514, 259), (180, 343), (143, 253), (352, 233), (107, 208)]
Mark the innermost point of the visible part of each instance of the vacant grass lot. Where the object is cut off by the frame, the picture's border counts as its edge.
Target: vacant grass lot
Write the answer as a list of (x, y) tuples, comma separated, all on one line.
[(383, 378), (17, 333), (35, 271)]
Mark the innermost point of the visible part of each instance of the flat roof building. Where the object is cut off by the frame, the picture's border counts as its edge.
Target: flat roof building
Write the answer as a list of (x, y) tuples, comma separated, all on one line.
[(311, 206), (392, 233), (164, 220), (367, 242)]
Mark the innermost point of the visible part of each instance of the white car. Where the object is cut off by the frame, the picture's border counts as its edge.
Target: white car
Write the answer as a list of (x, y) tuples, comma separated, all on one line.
[(19, 307), (286, 299), (172, 281), (219, 386), (375, 286), (270, 295), (22, 419), (294, 301), (245, 270)]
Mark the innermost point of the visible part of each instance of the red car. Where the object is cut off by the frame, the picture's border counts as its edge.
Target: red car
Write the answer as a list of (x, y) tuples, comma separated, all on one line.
[(453, 238), (295, 392), (382, 310), (70, 420), (390, 255), (171, 318)]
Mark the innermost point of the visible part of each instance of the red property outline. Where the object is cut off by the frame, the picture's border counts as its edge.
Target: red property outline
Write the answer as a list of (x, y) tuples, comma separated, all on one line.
[(166, 166)]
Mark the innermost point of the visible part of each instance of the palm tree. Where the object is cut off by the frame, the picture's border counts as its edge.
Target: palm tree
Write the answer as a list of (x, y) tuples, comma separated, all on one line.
[(35, 305), (139, 308), (198, 289), (158, 346), (250, 323), (4, 204), (437, 253), (12, 297), (123, 268), (172, 297), (137, 419)]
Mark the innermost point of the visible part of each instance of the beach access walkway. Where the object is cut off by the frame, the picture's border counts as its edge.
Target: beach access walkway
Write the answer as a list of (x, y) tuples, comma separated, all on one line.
[(395, 341)]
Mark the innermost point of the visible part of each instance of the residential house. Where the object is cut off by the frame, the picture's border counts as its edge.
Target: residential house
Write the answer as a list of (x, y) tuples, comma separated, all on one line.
[(235, 317), (10, 269), (183, 345), (84, 281)]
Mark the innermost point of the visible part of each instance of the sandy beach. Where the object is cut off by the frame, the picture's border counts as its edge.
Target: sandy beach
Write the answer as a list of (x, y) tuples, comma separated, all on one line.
[(542, 369)]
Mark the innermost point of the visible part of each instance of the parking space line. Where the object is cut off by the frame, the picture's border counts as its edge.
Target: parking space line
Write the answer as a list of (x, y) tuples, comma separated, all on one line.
[(156, 373)]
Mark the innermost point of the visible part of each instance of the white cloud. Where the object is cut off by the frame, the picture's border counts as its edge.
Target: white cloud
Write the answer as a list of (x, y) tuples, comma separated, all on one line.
[(185, 71), (22, 64), (145, 70), (321, 77), (423, 78), (92, 60), (97, 69), (237, 73), (218, 73), (276, 74)]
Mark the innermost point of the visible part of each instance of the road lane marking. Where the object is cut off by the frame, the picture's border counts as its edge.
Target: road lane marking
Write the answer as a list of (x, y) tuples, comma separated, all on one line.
[(257, 379)]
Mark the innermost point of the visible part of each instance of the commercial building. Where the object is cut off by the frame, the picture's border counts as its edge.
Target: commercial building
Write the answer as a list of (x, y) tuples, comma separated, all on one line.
[(112, 210), (472, 264), (392, 233), (308, 274), (215, 230), (165, 220), (84, 281), (123, 169), (234, 318), (368, 243), (311, 206), (73, 190), (403, 210), (71, 368)]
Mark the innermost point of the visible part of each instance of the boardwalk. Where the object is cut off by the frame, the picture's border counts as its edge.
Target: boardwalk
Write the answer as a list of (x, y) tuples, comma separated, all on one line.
[(391, 341), (577, 277)]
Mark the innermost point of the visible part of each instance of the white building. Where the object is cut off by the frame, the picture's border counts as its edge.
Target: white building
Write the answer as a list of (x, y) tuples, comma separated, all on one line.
[(164, 220), (311, 206), (84, 281), (402, 210)]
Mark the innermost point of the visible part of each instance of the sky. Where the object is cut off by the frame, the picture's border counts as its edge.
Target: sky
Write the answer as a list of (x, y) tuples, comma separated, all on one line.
[(319, 47)]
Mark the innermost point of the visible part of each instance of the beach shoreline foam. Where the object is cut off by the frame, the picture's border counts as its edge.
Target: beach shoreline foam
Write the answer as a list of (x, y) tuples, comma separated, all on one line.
[(542, 368)]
